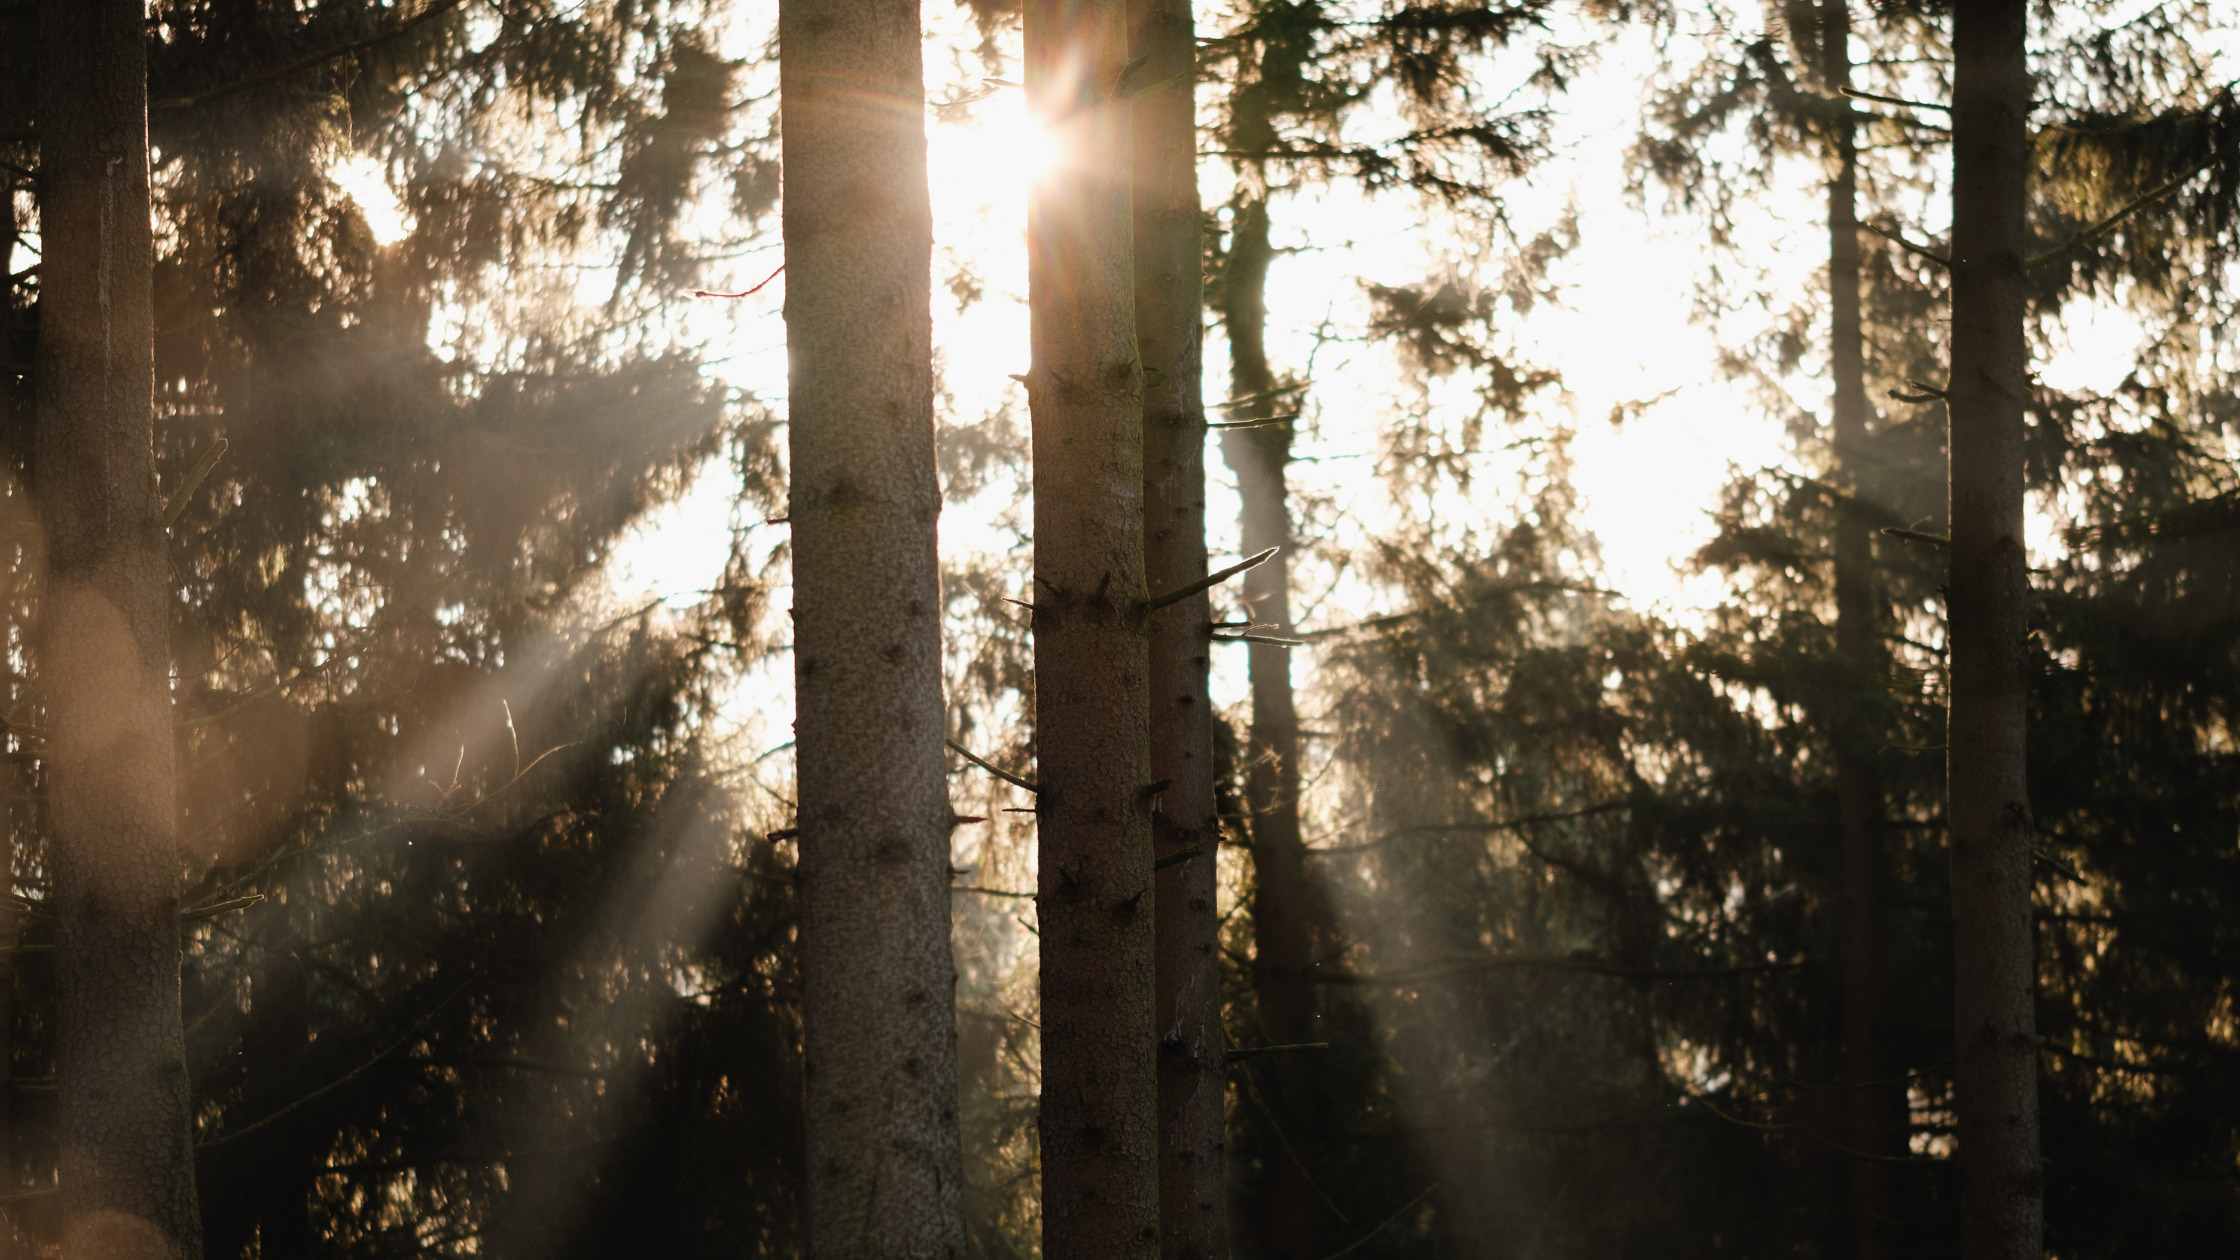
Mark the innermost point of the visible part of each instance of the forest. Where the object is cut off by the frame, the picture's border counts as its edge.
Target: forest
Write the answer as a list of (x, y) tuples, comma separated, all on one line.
[(1117, 629)]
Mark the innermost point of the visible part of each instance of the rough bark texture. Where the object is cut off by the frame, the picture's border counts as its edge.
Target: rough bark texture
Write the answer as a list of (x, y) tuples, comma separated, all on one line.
[(879, 1038), (1170, 291), (1099, 1120), (1995, 1081), (1283, 953), (127, 1168), (1874, 1107)]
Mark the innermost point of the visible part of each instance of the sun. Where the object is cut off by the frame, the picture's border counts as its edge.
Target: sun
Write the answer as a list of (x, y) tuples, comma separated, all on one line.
[(992, 149)]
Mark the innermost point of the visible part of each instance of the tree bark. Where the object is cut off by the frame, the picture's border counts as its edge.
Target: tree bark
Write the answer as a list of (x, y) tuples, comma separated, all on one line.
[(1283, 954), (879, 1035), (1099, 1120), (1873, 1109), (127, 1168), (1995, 1030), (1185, 830)]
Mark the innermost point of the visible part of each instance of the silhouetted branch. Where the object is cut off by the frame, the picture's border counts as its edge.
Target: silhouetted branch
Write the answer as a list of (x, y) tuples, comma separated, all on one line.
[(1208, 582), (1005, 775)]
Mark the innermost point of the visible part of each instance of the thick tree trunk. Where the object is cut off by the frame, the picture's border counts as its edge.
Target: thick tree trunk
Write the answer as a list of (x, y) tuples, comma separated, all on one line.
[(1193, 1190), (127, 1165), (1099, 1120), (1994, 959), (879, 1036), (1873, 1108), (1283, 955)]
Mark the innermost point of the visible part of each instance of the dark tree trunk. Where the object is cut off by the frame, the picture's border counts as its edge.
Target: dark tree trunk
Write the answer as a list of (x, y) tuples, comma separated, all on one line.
[(1185, 831), (1099, 1118), (879, 1036), (127, 1164), (1873, 1108), (1283, 952), (279, 1032), (1994, 971)]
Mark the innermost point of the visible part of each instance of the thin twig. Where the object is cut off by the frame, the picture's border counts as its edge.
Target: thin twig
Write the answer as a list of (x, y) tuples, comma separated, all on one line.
[(177, 508), (1005, 775), (1908, 246), (1388, 1222), (1208, 582), (1857, 95), (1254, 1052), (1269, 639), (710, 293)]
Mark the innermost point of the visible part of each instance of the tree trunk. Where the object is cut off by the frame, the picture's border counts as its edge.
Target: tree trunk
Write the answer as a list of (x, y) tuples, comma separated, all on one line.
[(1873, 1110), (1996, 1054), (287, 1153), (1282, 941), (127, 1163), (1185, 831), (1099, 1120), (879, 1035)]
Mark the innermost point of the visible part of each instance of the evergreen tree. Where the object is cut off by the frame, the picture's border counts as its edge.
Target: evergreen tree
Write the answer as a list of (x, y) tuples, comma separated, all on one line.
[(1995, 1077), (1186, 829), (879, 1001), (126, 1170), (1098, 1120)]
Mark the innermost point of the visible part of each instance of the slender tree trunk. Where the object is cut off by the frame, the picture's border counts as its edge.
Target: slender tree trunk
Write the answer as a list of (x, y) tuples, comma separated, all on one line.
[(1873, 1110), (1283, 955), (1099, 1121), (1185, 831), (127, 1163), (279, 1033), (1994, 957), (879, 1036)]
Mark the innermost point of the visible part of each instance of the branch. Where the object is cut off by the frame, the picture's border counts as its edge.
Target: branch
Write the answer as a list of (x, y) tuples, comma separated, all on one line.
[(1260, 423), (1268, 639), (1857, 95), (1243, 399), (710, 293), (1254, 1052), (1208, 582), (1915, 535), (223, 907), (177, 508), (1005, 775), (1908, 246), (1553, 962), (338, 1082), (2109, 224), (344, 49)]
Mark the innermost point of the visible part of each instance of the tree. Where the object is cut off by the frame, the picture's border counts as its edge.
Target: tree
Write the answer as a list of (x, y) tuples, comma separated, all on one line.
[(1805, 103), (1995, 1047), (1093, 808), (879, 1030), (397, 567), (1185, 827), (1299, 73), (127, 1169)]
